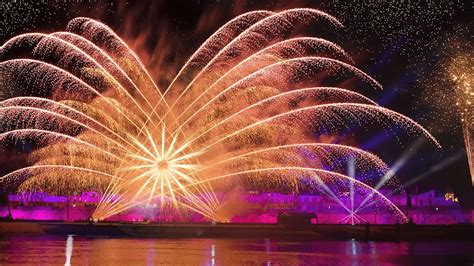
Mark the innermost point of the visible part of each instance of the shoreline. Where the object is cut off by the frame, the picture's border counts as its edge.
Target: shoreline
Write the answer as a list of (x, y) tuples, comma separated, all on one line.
[(403, 232)]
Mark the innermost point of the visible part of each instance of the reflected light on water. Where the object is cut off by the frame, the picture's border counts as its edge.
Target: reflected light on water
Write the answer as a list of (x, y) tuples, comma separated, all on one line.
[(213, 254), (51, 250), (353, 247), (373, 250), (267, 245), (68, 250)]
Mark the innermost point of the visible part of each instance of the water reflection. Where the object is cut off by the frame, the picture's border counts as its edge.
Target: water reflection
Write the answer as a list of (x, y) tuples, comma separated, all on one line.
[(213, 254), (353, 248), (68, 250), (47, 250), (150, 254), (267, 250)]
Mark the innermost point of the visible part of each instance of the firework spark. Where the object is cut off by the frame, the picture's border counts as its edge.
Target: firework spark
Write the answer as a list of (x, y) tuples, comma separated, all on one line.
[(243, 111), (460, 70)]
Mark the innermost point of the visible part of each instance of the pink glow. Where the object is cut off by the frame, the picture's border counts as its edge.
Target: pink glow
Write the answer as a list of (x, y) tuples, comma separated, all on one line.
[(427, 208)]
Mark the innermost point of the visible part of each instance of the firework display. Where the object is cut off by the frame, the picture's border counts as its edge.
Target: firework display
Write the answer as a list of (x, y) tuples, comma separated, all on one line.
[(252, 108), (459, 70)]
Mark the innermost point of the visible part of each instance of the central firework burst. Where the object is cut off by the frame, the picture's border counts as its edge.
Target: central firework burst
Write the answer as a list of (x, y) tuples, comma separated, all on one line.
[(252, 108), (157, 169)]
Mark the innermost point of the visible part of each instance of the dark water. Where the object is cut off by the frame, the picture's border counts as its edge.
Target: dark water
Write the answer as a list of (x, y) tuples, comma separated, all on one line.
[(56, 250)]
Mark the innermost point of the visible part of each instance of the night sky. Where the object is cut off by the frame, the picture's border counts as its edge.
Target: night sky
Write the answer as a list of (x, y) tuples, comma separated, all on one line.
[(404, 45)]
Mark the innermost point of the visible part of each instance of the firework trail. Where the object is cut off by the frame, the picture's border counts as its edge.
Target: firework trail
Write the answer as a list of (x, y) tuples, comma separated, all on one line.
[(243, 111), (460, 71)]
